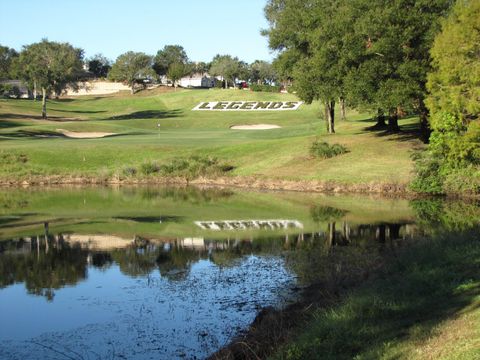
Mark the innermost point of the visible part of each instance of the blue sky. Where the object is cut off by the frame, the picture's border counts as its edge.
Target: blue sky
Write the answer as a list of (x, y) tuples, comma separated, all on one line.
[(203, 27)]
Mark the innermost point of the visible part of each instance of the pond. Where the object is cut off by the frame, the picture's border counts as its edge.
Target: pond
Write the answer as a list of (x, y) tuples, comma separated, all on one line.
[(165, 273)]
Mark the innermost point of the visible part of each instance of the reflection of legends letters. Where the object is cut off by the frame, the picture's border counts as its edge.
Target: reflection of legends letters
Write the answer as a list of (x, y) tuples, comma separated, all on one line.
[(248, 105)]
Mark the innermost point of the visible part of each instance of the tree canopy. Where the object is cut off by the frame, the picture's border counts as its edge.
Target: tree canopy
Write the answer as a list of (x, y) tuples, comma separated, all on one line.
[(131, 67), (99, 65), (169, 55), (50, 66), (7, 56)]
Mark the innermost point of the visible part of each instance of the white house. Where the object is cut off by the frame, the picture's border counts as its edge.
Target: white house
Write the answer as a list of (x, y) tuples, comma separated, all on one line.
[(197, 81)]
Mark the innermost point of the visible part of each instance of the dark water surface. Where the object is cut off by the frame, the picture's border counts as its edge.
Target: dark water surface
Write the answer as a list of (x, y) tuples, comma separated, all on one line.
[(142, 273)]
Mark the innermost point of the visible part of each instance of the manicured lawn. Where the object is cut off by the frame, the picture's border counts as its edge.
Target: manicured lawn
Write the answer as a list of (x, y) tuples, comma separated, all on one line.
[(279, 153)]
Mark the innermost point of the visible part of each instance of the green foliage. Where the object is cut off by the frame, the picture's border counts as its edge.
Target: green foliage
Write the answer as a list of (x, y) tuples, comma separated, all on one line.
[(189, 168), (262, 71), (169, 55), (452, 161), (176, 71), (9, 90), (326, 213), (131, 67), (7, 58), (51, 65), (454, 84), (324, 150), (264, 88), (99, 66), (148, 168), (227, 66)]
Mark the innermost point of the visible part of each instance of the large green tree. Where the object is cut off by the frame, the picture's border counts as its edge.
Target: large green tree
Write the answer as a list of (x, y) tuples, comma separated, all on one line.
[(170, 54), (50, 66), (7, 56), (452, 160), (230, 68), (261, 72), (99, 65), (131, 67), (395, 58)]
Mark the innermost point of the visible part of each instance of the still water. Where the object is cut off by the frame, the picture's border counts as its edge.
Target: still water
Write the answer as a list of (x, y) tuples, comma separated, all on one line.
[(142, 273)]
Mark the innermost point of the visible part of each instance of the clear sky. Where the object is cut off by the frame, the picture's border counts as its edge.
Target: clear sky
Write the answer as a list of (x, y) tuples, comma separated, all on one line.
[(203, 27)]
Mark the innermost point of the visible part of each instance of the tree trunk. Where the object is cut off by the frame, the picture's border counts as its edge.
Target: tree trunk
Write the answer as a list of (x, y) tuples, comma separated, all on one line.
[(425, 130), (327, 115), (343, 109), (132, 90), (44, 103), (226, 83), (331, 117), (34, 90), (380, 120), (393, 121)]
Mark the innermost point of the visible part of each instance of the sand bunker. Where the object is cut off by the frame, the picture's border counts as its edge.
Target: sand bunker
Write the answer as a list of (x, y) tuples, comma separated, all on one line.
[(84, 135), (255, 127)]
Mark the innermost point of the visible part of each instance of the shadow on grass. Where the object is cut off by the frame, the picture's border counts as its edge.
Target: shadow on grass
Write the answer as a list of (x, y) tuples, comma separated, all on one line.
[(5, 124), (149, 114), (34, 135), (421, 286), (406, 132), (9, 116), (150, 219), (81, 111)]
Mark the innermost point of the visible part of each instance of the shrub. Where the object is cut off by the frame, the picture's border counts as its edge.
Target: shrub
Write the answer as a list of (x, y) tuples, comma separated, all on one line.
[(265, 88), (322, 149), (129, 171), (149, 168)]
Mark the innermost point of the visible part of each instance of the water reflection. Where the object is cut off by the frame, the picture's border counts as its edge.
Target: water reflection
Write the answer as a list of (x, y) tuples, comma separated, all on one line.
[(126, 272)]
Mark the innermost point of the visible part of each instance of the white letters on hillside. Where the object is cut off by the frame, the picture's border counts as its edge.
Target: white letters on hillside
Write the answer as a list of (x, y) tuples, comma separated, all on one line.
[(248, 105)]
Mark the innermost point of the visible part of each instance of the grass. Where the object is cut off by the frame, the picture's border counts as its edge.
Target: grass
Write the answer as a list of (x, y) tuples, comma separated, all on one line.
[(424, 304), (135, 119)]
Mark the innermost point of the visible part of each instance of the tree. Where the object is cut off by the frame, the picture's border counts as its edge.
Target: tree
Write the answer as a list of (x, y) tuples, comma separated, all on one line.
[(305, 35), (228, 67), (169, 55), (454, 83), (262, 72), (176, 71), (131, 67), (7, 57), (99, 65), (452, 160), (50, 66), (393, 64)]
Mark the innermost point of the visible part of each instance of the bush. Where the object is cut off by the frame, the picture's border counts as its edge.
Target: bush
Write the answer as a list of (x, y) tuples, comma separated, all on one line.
[(265, 88), (149, 168), (322, 149), (129, 171)]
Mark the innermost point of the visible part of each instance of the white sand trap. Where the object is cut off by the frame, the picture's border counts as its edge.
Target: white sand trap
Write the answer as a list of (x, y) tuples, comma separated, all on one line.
[(255, 127), (84, 135)]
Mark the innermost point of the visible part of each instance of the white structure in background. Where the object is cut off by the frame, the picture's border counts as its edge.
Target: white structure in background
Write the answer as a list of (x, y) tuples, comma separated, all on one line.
[(249, 224), (97, 88), (197, 81)]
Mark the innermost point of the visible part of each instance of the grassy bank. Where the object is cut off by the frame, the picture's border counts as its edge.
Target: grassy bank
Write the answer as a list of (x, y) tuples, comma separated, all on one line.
[(158, 128), (425, 304)]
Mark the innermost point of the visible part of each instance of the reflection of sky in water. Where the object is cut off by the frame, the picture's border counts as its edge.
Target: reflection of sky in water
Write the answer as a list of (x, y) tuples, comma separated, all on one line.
[(111, 315)]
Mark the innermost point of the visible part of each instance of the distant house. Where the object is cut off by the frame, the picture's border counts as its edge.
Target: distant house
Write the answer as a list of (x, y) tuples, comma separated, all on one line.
[(16, 88), (197, 81)]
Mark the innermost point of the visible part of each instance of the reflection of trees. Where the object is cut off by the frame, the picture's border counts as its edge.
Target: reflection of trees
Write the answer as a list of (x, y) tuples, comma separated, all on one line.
[(46, 266), (441, 215), (136, 260), (342, 252), (176, 263), (326, 213), (188, 194)]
